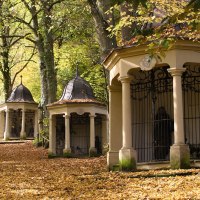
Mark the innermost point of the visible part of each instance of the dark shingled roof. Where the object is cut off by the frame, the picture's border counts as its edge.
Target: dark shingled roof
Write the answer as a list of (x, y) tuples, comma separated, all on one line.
[(77, 101), (21, 94), (77, 88)]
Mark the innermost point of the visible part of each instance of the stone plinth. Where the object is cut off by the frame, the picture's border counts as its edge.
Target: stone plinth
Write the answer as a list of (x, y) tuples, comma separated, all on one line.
[(180, 157), (127, 159)]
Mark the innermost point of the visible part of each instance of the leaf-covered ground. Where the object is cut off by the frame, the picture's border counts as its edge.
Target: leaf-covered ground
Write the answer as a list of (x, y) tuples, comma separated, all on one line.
[(27, 173)]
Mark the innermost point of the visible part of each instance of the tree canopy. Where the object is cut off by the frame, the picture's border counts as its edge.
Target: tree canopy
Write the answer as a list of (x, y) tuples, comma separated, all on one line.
[(46, 40)]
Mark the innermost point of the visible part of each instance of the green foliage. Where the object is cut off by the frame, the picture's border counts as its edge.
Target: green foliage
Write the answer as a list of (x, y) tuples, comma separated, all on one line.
[(86, 58), (37, 142), (159, 21), (127, 164)]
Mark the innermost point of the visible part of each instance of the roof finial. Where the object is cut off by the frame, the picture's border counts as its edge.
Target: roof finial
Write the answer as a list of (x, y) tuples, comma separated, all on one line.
[(21, 79), (77, 72)]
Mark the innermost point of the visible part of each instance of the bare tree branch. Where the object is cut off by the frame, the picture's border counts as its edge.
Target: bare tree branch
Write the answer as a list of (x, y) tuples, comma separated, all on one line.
[(25, 65)]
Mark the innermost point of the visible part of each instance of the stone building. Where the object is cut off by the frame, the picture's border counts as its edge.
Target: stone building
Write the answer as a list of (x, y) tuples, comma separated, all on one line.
[(77, 122), (19, 115), (154, 106)]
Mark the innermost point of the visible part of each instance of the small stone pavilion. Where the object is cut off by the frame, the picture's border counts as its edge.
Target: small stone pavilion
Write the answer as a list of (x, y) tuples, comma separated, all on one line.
[(77, 122), (154, 106), (19, 115)]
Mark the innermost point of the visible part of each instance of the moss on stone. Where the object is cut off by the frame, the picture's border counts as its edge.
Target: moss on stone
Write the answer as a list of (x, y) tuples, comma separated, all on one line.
[(116, 168), (127, 164), (184, 163)]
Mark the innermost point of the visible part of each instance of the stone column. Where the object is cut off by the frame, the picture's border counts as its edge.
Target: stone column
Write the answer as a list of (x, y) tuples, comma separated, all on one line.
[(52, 137), (2, 123), (23, 133), (36, 125), (7, 125), (67, 149), (127, 156), (115, 126), (179, 151), (92, 150), (104, 133)]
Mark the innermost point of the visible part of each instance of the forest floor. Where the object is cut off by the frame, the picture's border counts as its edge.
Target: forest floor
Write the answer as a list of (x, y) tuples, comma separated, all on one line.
[(27, 173)]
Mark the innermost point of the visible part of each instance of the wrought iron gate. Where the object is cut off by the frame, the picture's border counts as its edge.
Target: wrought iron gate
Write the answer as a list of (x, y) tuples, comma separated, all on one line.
[(191, 96), (80, 133), (152, 111)]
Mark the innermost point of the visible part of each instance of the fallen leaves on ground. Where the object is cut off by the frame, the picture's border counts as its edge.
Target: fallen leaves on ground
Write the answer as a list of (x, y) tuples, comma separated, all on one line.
[(27, 173)]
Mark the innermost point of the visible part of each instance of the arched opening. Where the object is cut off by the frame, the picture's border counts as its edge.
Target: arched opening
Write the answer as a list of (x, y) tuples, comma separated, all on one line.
[(29, 123), (16, 121), (152, 113), (60, 134), (80, 133), (191, 100)]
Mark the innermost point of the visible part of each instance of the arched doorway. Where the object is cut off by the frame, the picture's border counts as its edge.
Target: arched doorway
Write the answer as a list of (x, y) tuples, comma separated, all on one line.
[(152, 113), (80, 133), (191, 97), (60, 134)]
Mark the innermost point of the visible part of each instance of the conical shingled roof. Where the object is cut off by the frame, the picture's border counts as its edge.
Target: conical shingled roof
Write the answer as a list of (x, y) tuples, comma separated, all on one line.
[(77, 88), (21, 94)]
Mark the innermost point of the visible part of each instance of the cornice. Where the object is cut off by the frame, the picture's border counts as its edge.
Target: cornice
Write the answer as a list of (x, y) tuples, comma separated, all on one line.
[(131, 51)]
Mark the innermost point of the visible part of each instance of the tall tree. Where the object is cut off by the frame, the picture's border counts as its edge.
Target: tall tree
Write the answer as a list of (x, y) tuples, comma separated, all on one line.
[(158, 22), (13, 59), (102, 22), (40, 23)]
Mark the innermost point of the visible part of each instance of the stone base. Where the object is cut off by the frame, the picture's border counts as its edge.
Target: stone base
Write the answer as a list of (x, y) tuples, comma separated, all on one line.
[(92, 152), (180, 157), (112, 159), (67, 153), (127, 159), (23, 136), (51, 154)]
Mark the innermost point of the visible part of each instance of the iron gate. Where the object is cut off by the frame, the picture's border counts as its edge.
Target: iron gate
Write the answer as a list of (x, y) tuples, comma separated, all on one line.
[(80, 133), (191, 97), (152, 111)]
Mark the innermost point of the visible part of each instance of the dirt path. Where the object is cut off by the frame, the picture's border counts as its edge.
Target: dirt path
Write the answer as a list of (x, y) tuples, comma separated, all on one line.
[(27, 173)]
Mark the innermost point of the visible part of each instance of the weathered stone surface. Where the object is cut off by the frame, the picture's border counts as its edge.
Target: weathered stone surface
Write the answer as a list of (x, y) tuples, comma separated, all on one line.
[(127, 159), (180, 157)]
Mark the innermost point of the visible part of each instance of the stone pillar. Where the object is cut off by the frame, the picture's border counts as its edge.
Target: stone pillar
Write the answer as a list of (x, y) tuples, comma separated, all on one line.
[(127, 156), (104, 134), (115, 126), (67, 149), (23, 133), (7, 125), (92, 150), (52, 137), (179, 151), (36, 125), (2, 124)]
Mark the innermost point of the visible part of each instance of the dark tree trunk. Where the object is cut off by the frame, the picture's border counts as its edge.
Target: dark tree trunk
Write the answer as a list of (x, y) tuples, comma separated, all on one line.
[(44, 43), (127, 31), (49, 53), (105, 41), (5, 69)]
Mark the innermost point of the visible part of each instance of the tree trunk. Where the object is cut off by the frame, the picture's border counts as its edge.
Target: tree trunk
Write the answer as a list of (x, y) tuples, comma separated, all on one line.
[(49, 54), (127, 31), (44, 42), (5, 70), (105, 41)]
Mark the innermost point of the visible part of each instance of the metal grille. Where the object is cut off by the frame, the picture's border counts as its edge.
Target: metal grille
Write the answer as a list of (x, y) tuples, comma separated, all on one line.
[(152, 112), (80, 133), (191, 96), (60, 134)]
